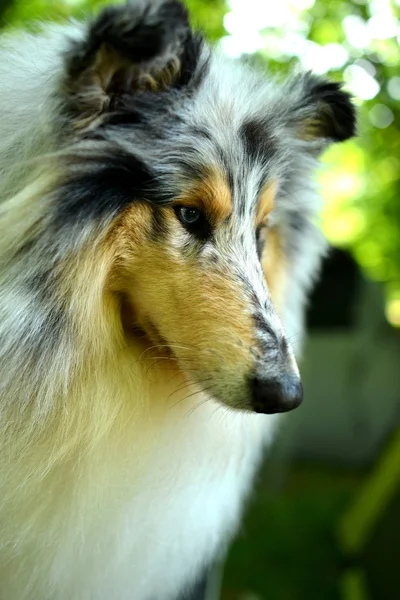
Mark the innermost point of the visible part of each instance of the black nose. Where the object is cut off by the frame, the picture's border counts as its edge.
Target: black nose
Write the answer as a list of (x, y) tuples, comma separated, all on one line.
[(276, 395)]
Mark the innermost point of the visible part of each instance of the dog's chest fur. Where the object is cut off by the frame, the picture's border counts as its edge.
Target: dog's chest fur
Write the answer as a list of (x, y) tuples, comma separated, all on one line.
[(149, 535)]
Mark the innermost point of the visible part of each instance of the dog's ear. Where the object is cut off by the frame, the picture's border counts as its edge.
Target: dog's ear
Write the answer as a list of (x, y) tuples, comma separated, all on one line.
[(320, 110), (145, 45)]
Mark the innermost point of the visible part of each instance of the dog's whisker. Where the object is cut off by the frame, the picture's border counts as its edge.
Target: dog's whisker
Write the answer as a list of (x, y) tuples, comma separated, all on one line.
[(217, 408), (168, 346), (182, 386), (188, 384), (198, 405)]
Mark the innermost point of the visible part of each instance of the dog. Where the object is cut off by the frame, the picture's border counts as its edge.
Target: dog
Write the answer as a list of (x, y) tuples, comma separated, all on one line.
[(158, 241)]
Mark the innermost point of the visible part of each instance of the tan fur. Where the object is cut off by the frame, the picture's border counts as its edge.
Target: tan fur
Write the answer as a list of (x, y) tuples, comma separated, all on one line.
[(273, 259), (202, 314), (274, 265), (266, 202), (211, 195)]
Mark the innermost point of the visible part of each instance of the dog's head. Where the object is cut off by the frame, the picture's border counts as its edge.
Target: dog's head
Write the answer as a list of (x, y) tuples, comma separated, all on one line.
[(201, 168)]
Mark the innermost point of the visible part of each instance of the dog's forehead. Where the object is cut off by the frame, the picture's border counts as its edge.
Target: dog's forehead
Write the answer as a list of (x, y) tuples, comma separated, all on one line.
[(231, 131), (228, 165), (229, 185)]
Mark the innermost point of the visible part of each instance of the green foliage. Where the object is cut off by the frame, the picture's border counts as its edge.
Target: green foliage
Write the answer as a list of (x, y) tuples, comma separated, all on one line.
[(206, 14), (30, 14), (286, 549)]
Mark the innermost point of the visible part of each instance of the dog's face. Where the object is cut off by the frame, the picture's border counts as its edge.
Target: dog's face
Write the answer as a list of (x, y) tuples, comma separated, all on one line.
[(203, 171), (192, 278)]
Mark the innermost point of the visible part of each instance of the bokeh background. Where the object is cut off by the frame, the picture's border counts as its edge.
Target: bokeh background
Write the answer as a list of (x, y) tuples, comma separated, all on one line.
[(324, 523)]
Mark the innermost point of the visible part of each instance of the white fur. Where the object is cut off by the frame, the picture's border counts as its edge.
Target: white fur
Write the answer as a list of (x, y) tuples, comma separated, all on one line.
[(173, 519)]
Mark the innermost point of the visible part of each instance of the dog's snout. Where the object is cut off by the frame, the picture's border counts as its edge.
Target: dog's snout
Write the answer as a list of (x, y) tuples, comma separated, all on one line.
[(276, 395)]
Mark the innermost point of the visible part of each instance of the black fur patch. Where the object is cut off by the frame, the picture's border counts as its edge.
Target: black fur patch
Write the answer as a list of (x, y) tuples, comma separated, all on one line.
[(256, 141), (144, 109), (260, 241), (335, 112), (146, 36), (201, 229), (190, 74), (135, 30), (105, 189)]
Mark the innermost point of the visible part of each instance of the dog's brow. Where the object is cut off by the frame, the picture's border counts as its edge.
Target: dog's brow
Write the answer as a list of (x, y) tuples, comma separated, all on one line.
[(212, 194)]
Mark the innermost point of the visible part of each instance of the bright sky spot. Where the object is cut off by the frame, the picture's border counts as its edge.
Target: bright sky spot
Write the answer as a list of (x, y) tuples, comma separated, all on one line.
[(248, 44), (322, 59), (280, 26), (254, 15), (356, 31), (382, 26), (360, 83)]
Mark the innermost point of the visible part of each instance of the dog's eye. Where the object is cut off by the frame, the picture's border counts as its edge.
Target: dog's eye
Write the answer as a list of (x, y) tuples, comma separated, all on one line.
[(194, 221), (188, 215)]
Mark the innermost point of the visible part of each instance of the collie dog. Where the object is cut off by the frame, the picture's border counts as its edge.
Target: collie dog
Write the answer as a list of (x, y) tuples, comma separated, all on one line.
[(158, 240)]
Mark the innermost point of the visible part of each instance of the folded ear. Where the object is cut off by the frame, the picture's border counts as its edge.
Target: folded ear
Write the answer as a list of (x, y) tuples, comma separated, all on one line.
[(320, 109), (145, 45)]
